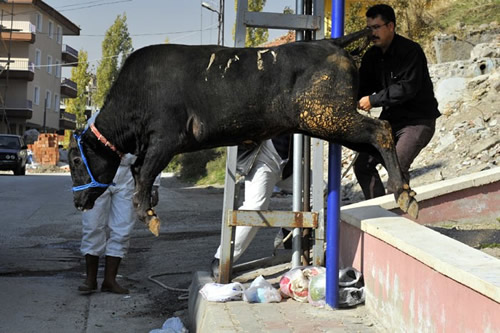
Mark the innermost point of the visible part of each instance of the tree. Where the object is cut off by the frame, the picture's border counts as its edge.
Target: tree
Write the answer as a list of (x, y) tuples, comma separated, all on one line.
[(255, 36), (117, 44), (81, 76)]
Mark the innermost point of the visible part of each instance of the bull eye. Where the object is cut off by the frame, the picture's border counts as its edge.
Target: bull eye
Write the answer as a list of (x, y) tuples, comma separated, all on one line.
[(77, 161)]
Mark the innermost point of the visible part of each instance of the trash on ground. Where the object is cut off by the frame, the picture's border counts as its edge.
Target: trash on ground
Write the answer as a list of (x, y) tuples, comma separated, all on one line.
[(308, 284), (171, 325), (218, 292), (261, 291), (295, 282)]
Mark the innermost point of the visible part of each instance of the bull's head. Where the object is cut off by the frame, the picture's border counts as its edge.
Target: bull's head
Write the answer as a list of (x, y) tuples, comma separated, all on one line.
[(93, 167)]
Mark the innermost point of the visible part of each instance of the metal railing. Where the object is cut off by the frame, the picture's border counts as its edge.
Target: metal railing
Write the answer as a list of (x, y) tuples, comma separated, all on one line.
[(67, 116), (68, 83), (68, 49), (19, 104), (18, 64), (20, 26)]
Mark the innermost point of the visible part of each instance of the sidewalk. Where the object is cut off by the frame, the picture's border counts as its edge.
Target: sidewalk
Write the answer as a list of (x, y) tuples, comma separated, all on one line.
[(288, 316)]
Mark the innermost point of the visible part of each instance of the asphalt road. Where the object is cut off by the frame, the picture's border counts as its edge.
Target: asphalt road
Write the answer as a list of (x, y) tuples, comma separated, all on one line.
[(41, 265)]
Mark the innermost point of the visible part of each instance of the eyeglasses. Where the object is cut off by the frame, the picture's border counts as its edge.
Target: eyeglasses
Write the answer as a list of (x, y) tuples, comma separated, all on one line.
[(376, 26)]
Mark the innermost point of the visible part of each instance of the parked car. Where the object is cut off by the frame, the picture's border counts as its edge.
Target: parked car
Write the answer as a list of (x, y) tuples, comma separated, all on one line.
[(13, 154)]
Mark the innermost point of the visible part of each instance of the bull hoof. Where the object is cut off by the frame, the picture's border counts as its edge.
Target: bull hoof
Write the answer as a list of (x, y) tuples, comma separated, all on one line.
[(153, 222), (413, 209), (408, 204), (404, 201)]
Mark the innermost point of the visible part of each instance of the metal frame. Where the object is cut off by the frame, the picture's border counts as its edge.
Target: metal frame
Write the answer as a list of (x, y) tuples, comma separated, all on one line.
[(296, 219)]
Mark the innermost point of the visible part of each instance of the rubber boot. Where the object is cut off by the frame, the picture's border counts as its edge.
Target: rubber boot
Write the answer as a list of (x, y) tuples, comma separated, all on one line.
[(110, 271), (90, 284)]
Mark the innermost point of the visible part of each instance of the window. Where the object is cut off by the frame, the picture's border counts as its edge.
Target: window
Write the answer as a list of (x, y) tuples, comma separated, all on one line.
[(56, 102), (38, 58), (39, 22), (59, 34), (58, 68), (49, 64), (36, 96), (48, 99), (51, 29)]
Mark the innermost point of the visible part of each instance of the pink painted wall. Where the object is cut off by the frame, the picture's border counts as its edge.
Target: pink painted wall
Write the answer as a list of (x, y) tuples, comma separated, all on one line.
[(408, 296)]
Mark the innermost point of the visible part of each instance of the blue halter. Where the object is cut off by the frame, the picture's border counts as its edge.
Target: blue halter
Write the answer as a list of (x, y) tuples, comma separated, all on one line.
[(93, 182)]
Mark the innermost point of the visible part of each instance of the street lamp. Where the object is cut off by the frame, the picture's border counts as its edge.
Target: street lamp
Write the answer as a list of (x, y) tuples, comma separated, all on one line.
[(220, 19)]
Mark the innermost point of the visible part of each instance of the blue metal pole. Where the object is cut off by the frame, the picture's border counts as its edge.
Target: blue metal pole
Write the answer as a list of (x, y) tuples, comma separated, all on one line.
[(333, 201)]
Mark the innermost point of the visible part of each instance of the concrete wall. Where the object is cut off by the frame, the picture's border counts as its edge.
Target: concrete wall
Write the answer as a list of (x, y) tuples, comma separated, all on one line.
[(418, 280)]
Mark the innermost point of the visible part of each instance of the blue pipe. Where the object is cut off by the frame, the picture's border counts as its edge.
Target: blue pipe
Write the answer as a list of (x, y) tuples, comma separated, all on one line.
[(333, 201)]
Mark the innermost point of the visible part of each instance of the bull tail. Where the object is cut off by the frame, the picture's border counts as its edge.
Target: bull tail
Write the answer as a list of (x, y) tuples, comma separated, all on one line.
[(348, 39)]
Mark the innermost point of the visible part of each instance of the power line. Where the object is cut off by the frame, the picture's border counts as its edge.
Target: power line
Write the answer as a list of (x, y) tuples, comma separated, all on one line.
[(78, 8)]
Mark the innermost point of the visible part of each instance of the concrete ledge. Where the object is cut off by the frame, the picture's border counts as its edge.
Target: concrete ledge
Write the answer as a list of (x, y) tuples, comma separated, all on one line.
[(419, 279), (445, 187), (452, 258)]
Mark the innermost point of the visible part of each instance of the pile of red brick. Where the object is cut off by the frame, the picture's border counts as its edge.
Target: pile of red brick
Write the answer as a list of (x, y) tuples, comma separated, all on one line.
[(46, 149)]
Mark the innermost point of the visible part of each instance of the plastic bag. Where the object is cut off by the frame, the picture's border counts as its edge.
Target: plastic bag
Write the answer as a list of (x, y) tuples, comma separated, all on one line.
[(171, 325), (295, 283), (261, 291), (351, 296), (349, 277), (317, 290), (218, 292)]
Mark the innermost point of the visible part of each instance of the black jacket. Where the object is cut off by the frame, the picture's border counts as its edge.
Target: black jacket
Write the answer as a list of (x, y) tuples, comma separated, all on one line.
[(400, 80)]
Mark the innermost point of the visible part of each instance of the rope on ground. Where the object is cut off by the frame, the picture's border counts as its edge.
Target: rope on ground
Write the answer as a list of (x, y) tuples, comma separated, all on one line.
[(181, 297)]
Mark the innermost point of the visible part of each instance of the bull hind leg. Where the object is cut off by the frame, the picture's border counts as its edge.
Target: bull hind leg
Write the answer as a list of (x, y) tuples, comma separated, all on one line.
[(378, 134)]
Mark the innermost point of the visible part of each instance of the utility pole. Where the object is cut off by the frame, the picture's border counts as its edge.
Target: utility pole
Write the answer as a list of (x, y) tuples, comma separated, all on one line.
[(45, 115), (220, 20)]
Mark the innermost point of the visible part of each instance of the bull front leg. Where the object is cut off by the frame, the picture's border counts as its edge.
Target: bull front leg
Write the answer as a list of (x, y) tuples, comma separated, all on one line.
[(144, 179)]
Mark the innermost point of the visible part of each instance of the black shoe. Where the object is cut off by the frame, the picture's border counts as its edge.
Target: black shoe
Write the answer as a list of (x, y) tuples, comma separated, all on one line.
[(214, 268)]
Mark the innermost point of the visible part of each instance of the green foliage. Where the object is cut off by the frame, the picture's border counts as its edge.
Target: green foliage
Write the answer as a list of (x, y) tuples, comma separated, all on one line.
[(81, 76), (117, 44), (254, 36), (468, 12), (216, 169), (192, 167)]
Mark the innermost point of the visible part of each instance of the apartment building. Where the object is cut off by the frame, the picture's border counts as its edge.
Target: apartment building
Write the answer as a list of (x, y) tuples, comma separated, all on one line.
[(31, 56)]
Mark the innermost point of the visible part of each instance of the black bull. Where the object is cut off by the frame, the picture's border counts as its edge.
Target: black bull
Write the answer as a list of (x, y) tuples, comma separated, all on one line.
[(171, 99)]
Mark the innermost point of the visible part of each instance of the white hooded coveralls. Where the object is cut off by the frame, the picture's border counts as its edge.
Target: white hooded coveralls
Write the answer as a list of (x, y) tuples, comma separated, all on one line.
[(113, 213)]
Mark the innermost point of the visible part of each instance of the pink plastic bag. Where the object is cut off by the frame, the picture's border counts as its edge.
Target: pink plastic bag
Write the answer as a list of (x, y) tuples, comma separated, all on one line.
[(295, 282)]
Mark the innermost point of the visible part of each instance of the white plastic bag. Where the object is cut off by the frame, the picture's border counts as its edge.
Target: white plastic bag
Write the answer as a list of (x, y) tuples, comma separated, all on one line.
[(171, 325), (261, 291), (218, 292)]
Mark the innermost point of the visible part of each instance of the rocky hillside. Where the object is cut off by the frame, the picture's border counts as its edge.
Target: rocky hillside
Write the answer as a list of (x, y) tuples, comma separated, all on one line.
[(467, 137)]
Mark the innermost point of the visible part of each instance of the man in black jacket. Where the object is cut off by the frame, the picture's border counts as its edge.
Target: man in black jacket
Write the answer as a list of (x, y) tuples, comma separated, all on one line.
[(394, 76)]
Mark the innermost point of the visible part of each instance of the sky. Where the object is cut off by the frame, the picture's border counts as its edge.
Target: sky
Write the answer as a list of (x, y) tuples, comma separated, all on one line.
[(152, 21)]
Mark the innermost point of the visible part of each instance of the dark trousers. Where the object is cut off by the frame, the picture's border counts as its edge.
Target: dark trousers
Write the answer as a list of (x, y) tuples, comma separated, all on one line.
[(409, 140)]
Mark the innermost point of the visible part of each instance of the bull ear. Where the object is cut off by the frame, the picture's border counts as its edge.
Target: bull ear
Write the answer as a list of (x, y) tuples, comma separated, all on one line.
[(72, 141)]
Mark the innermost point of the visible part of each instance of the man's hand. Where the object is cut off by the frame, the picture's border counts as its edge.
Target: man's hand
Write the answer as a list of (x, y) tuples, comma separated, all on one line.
[(364, 103), (154, 196)]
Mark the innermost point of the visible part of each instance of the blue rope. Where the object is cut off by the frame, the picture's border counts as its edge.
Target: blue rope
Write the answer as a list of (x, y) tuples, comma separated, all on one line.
[(93, 182)]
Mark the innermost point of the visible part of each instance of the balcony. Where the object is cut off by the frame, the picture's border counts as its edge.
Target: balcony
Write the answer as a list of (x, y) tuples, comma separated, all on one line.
[(21, 31), (69, 55), (19, 69), (21, 109), (67, 121), (68, 88)]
